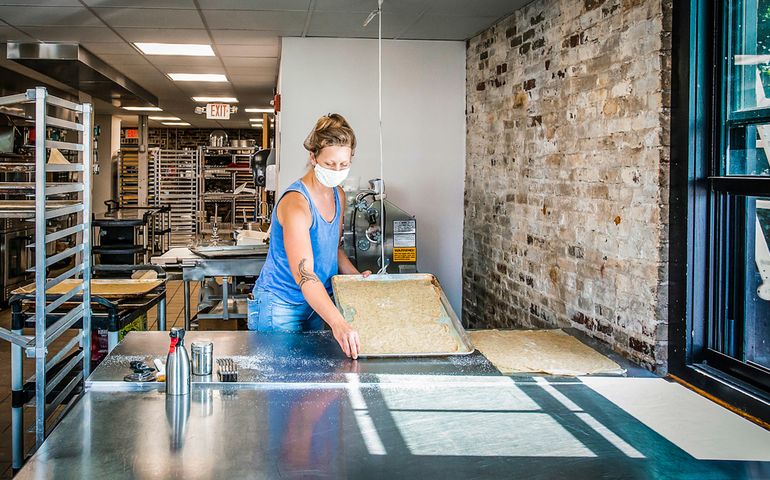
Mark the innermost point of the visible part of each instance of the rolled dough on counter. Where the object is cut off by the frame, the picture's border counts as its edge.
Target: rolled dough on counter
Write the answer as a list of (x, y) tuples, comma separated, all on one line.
[(552, 352), (397, 317)]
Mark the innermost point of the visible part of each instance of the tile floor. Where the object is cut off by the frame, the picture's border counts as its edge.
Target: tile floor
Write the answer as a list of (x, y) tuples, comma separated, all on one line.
[(174, 317)]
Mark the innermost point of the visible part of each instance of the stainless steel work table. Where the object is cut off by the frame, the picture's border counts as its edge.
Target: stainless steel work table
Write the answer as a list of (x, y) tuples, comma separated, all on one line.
[(275, 358), (305, 411), (195, 268)]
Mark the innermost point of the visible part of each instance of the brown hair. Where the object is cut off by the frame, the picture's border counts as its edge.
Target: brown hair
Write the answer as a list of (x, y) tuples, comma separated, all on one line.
[(330, 130)]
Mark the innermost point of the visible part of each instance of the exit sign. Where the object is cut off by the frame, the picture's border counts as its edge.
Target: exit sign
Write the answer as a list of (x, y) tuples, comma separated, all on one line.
[(218, 111)]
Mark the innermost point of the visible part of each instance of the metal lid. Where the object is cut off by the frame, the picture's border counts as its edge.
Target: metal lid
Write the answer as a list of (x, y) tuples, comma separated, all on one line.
[(202, 346)]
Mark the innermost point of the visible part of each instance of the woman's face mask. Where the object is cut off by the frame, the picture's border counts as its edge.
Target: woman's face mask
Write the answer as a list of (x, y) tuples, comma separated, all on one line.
[(330, 178), (338, 156)]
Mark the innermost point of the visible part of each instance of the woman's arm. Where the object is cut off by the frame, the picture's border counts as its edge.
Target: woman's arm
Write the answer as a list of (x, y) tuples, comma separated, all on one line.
[(294, 215)]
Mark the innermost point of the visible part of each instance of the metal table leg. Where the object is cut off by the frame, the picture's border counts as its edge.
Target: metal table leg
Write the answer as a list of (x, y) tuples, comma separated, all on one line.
[(17, 411), (225, 309), (162, 314), (186, 305)]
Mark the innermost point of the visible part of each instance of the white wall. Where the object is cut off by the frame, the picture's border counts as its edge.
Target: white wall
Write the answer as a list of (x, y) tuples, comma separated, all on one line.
[(423, 129), (109, 145)]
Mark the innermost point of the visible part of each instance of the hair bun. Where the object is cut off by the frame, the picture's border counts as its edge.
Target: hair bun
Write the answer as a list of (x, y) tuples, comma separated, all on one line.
[(330, 130)]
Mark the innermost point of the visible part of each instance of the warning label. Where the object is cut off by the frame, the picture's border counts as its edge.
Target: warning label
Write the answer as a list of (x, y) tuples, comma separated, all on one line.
[(405, 255)]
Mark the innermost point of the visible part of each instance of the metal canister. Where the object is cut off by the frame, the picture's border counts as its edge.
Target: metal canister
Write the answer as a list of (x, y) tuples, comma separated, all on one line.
[(202, 353)]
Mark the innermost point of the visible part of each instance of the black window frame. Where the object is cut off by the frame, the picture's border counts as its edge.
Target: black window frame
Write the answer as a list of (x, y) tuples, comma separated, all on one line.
[(698, 251)]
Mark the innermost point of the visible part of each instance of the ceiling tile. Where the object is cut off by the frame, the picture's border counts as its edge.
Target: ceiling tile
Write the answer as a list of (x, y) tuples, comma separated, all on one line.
[(246, 37), (48, 3), (443, 27), (253, 80), (249, 50), (351, 25), (185, 64), (189, 4), (235, 71), (115, 48), (68, 34), (48, 16), (270, 62), (165, 35), (11, 34), (476, 8), (120, 60), (400, 7), (254, 4), (150, 17), (292, 22)]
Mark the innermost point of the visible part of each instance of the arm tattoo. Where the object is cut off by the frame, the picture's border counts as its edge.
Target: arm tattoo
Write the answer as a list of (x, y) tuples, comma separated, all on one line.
[(304, 275)]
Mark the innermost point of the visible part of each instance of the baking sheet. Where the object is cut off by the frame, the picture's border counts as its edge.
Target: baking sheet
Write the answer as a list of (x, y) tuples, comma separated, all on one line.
[(228, 251), (551, 352), (102, 287), (448, 316)]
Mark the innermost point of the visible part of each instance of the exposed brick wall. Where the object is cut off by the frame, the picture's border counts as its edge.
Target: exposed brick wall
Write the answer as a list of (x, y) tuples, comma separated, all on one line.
[(567, 172)]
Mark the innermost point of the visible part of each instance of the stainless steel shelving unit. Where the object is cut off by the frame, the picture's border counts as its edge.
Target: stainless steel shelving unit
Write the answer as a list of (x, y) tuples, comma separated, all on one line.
[(129, 177), (235, 173), (58, 374), (176, 184)]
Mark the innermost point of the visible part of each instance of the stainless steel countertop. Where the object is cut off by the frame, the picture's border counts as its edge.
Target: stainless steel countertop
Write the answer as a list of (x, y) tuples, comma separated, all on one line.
[(264, 358), (438, 427)]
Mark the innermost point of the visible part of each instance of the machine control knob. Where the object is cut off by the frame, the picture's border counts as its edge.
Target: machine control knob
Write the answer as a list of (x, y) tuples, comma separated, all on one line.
[(364, 244)]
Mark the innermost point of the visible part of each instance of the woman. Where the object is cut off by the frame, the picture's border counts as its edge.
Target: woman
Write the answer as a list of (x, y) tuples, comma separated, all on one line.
[(293, 292)]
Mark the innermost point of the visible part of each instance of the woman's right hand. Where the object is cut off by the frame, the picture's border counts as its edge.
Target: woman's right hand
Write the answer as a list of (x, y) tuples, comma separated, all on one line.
[(347, 338)]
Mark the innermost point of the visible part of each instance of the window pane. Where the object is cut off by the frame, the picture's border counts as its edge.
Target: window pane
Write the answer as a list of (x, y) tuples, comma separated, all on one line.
[(750, 51), (743, 329), (748, 150), (758, 325)]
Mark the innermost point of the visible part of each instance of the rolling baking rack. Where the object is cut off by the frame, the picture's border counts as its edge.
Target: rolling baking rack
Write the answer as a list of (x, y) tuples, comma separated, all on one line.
[(58, 371), (176, 177)]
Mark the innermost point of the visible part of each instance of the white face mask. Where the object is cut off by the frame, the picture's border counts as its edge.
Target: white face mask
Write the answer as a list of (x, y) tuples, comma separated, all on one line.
[(330, 178)]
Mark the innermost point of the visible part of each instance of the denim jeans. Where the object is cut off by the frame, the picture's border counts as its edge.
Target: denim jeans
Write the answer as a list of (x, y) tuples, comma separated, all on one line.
[(268, 313)]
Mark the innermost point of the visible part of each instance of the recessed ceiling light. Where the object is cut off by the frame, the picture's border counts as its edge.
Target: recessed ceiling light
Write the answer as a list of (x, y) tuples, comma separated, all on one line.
[(176, 124), (197, 77), (215, 99), (143, 109), (164, 118), (259, 110), (188, 49), (256, 120)]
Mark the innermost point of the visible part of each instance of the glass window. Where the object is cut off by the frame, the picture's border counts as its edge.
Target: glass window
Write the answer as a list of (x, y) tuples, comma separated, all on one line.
[(738, 334), (748, 150), (750, 52)]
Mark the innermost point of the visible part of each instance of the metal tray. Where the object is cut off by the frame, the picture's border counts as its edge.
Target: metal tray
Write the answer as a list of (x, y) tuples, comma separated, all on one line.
[(229, 251), (448, 315), (112, 288)]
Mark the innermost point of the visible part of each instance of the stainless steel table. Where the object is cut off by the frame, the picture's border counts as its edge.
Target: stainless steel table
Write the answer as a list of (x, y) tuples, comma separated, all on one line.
[(264, 358), (361, 424), (195, 268)]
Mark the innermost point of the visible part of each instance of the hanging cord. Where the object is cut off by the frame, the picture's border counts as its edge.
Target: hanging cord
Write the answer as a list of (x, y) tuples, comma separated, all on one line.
[(378, 13)]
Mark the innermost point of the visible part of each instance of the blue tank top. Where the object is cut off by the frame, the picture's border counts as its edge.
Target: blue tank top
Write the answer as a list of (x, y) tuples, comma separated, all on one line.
[(276, 276)]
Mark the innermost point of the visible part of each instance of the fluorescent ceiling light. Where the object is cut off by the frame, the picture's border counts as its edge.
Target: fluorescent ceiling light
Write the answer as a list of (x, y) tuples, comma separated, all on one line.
[(188, 49), (256, 125), (259, 110), (143, 109), (197, 77), (216, 99), (176, 124), (256, 120), (164, 118)]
